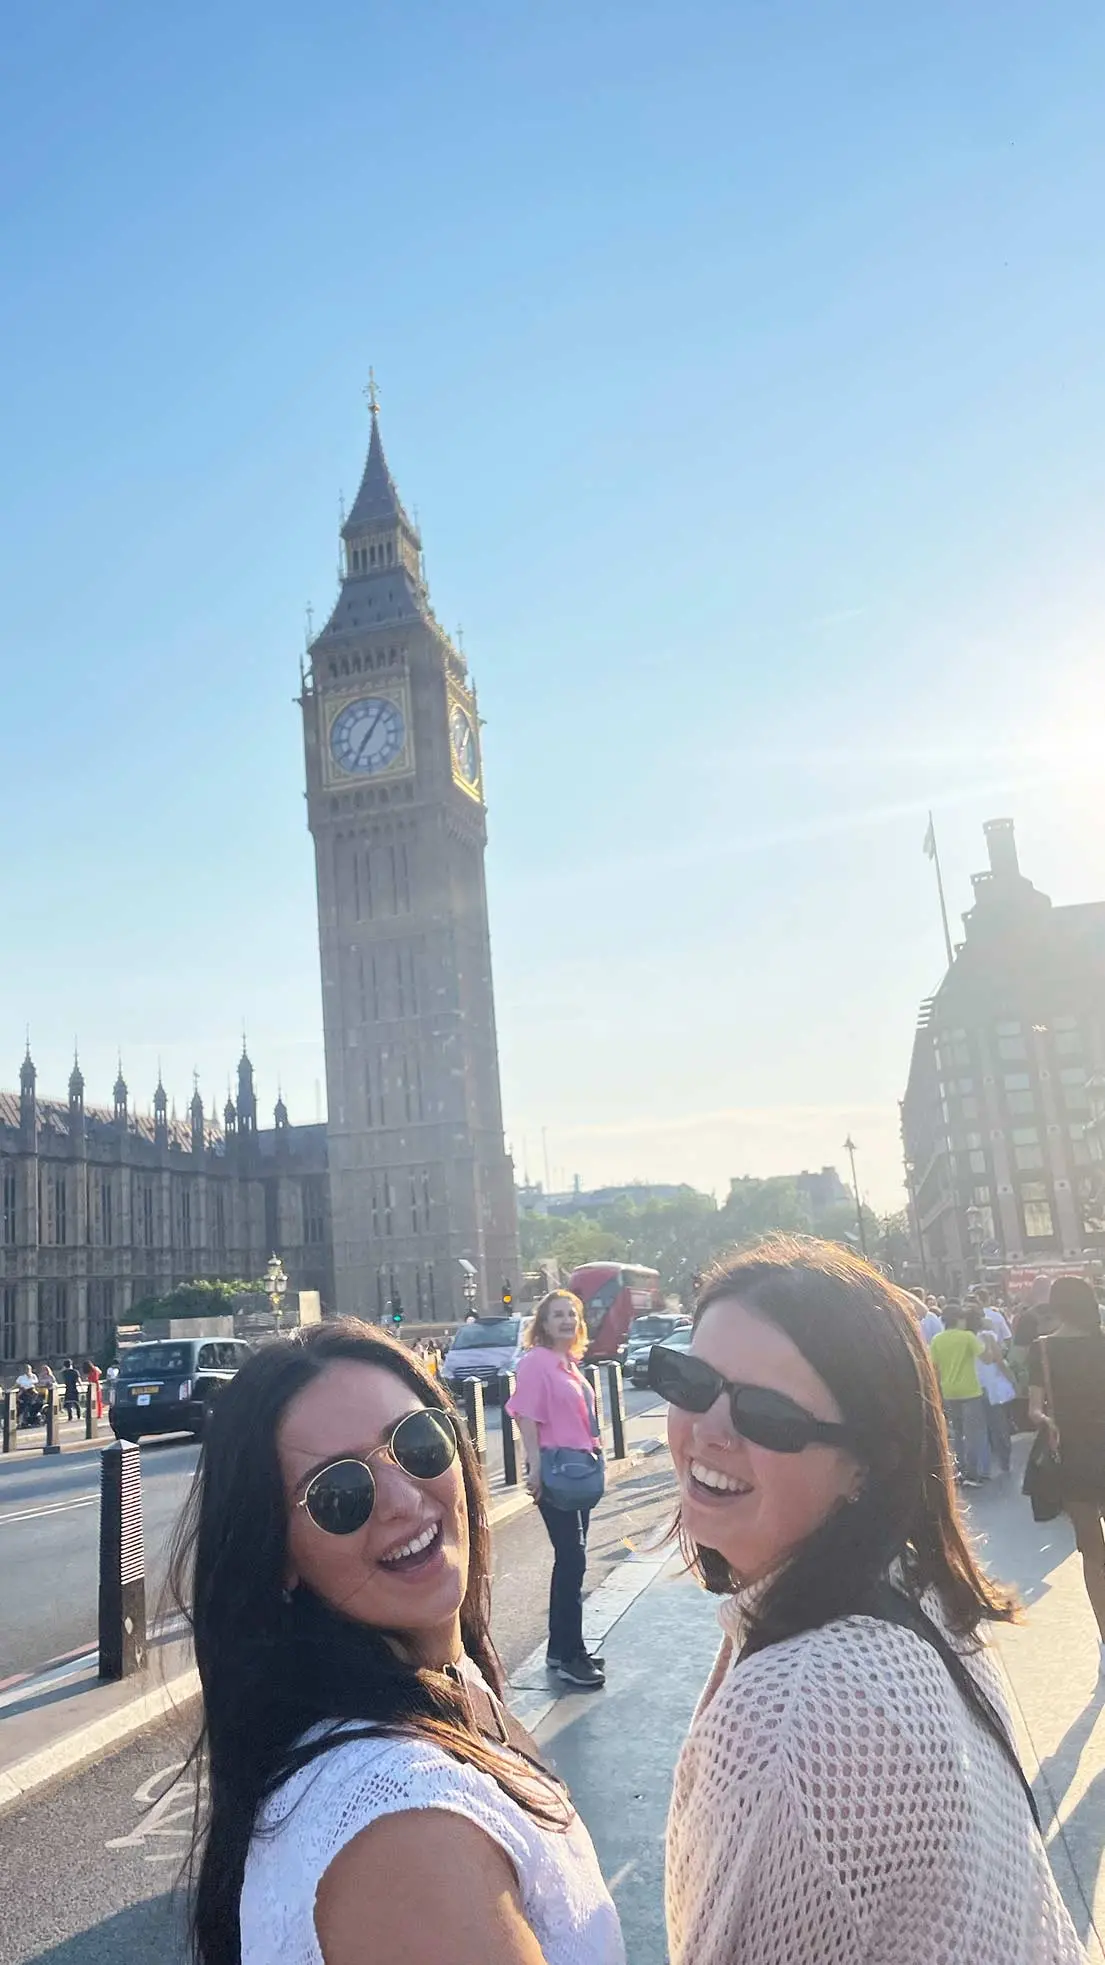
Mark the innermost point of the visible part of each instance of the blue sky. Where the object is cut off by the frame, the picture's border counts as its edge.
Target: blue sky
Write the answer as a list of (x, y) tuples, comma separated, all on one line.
[(744, 366)]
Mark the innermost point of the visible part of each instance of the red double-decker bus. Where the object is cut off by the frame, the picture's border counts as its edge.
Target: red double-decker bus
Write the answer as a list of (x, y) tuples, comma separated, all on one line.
[(612, 1294)]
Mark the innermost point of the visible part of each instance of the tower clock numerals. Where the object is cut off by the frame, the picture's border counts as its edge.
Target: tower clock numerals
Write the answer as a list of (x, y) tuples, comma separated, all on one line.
[(462, 738), (368, 735)]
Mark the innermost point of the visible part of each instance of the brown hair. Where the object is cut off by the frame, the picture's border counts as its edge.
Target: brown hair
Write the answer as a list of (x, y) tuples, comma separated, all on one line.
[(859, 1333), (537, 1333)]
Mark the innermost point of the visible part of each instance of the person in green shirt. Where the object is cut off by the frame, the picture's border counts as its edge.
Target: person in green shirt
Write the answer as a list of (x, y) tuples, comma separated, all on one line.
[(955, 1353)]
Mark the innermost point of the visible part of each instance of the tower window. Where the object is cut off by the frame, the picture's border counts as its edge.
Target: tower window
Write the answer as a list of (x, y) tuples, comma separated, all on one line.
[(8, 1211), (7, 1321)]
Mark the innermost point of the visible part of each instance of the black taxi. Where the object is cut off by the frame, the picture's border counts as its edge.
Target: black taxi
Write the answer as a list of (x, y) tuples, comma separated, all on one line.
[(170, 1384)]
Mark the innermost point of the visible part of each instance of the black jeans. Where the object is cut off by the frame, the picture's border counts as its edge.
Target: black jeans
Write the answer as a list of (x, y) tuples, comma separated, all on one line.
[(568, 1534)]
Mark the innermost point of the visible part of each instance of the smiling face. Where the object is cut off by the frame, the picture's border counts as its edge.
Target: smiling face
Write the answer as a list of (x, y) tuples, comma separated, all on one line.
[(346, 1411), (560, 1323), (752, 1505)]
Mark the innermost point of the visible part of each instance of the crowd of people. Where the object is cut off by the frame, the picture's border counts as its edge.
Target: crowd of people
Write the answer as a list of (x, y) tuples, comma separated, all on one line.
[(848, 1792), (34, 1384)]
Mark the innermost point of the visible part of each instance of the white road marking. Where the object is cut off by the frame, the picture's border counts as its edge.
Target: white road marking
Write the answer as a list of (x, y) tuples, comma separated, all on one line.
[(171, 1813), (49, 1508)]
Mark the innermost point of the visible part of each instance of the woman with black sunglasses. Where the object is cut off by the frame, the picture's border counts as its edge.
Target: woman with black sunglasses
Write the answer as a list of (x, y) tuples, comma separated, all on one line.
[(849, 1791), (369, 1798)]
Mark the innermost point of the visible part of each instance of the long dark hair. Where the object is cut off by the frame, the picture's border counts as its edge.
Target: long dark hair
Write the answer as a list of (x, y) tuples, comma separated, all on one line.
[(860, 1335), (271, 1668)]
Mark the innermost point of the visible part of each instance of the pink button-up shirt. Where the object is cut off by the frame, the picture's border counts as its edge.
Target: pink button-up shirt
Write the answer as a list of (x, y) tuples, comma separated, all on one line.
[(552, 1390)]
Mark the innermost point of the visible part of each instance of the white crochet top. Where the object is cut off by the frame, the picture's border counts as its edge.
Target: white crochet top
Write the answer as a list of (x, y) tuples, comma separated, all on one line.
[(837, 1803), (321, 1808)]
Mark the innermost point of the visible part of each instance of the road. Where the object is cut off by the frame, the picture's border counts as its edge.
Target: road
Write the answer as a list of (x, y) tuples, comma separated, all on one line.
[(49, 1540), (123, 1824)]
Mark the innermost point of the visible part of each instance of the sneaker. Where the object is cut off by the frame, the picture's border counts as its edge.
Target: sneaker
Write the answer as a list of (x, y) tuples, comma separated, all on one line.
[(553, 1661), (582, 1672)]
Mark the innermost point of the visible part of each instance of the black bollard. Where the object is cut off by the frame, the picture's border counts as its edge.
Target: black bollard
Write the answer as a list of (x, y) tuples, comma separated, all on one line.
[(52, 1445), (595, 1382), (9, 1421), (510, 1430), (122, 1562), (474, 1418), (615, 1393), (89, 1411)]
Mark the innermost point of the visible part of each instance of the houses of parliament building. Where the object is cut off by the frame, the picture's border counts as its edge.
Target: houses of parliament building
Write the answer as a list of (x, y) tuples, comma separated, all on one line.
[(407, 1192)]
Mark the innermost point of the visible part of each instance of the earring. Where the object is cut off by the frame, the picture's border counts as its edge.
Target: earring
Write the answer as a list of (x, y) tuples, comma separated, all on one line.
[(285, 1595), (851, 1499)]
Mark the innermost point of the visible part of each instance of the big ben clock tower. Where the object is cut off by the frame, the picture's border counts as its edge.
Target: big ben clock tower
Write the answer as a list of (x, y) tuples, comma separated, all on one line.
[(420, 1182)]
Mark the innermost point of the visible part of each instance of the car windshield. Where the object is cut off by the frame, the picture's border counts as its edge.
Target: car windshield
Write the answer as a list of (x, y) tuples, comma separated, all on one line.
[(497, 1333), (651, 1327), (680, 1337), (154, 1361)]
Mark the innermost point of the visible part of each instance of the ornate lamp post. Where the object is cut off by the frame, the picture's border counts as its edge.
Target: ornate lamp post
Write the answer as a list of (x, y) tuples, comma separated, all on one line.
[(276, 1282)]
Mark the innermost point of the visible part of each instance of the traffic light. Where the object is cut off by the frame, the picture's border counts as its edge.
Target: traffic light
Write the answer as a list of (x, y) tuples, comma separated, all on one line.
[(508, 1297), (396, 1312)]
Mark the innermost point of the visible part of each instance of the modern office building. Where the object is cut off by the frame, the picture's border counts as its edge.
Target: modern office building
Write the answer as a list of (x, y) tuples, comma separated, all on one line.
[(1005, 1083)]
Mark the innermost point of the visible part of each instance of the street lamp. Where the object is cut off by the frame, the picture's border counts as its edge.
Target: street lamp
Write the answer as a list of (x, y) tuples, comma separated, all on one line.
[(276, 1282), (469, 1284), (850, 1150), (976, 1235)]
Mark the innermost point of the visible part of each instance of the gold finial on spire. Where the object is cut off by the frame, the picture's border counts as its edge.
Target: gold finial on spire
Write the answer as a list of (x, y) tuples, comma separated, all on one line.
[(372, 394)]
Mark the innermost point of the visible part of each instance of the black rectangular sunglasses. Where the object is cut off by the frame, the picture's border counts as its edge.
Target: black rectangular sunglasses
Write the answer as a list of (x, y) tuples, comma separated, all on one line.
[(764, 1417)]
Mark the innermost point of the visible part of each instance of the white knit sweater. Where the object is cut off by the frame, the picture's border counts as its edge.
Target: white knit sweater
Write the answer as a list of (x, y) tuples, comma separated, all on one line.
[(836, 1803)]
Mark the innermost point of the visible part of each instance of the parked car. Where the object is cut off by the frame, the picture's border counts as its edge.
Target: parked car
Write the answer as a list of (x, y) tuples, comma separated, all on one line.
[(170, 1384), (678, 1340), (482, 1350), (644, 1332)]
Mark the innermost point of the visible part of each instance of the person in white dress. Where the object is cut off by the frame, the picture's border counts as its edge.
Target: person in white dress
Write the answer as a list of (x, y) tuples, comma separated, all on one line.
[(849, 1793), (368, 1799)]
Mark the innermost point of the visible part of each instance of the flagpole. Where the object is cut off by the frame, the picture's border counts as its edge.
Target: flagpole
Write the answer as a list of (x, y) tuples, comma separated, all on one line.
[(935, 858)]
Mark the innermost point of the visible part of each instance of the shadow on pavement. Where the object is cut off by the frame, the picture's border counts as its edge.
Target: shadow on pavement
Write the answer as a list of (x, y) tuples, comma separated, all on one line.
[(151, 1930)]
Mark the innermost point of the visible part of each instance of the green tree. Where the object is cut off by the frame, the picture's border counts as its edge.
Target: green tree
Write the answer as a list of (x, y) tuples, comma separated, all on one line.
[(570, 1240), (196, 1299)]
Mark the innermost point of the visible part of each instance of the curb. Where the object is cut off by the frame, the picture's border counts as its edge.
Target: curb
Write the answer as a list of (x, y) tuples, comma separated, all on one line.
[(86, 1742)]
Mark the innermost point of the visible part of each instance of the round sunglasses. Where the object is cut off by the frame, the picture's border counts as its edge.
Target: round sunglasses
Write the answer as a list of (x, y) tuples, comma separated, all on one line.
[(340, 1497), (764, 1417)]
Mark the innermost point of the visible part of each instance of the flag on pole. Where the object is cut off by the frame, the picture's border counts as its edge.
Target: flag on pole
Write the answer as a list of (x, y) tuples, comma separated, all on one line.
[(930, 841)]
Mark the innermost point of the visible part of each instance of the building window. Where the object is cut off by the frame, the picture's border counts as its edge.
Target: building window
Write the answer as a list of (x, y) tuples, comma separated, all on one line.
[(53, 1319), (185, 1216), (977, 1162), (220, 1221), (1073, 1074), (418, 1293), (1076, 1098), (1012, 1047), (101, 1311), (60, 1203), (414, 1207), (1037, 1208), (970, 1108), (1020, 1104), (314, 1213), (425, 1200), (380, 1299), (8, 1210), (7, 1321), (106, 1207), (1068, 1044), (1016, 1081), (389, 1216), (1028, 1156), (1007, 1029), (147, 1215), (430, 1290)]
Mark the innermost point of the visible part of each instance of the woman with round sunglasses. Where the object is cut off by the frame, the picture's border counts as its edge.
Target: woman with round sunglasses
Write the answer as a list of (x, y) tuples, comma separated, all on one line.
[(848, 1793), (369, 1798)]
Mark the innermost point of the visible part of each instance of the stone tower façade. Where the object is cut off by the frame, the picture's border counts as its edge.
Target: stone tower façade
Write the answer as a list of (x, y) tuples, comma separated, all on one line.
[(419, 1176)]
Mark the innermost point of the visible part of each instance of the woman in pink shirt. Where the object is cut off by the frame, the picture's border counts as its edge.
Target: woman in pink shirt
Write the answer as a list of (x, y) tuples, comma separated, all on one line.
[(554, 1406)]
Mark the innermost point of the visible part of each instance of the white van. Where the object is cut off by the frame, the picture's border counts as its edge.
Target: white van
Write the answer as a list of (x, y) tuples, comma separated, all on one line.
[(482, 1350)]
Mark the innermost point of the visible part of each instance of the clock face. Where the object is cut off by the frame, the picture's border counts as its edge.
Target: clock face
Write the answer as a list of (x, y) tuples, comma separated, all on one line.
[(463, 740), (368, 735)]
